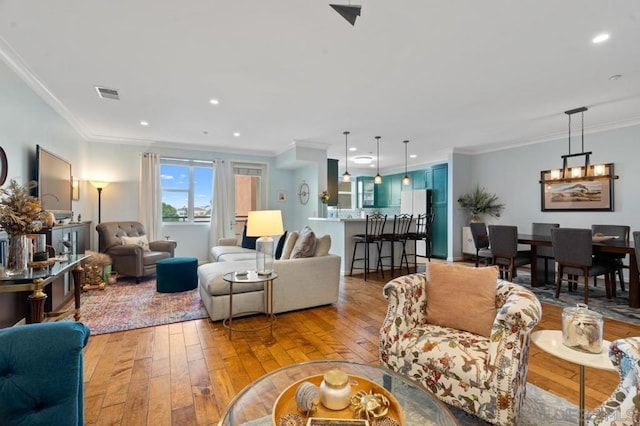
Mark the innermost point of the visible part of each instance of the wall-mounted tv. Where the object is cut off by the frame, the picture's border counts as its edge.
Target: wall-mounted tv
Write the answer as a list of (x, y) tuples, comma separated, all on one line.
[(54, 182)]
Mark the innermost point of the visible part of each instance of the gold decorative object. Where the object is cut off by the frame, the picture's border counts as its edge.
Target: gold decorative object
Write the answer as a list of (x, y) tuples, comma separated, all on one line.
[(93, 278), (292, 419), (369, 405)]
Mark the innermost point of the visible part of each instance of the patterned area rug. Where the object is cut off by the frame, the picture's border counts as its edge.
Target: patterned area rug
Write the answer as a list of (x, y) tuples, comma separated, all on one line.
[(127, 305), (617, 308)]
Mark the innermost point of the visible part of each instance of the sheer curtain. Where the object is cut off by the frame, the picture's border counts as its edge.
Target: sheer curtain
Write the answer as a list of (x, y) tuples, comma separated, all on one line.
[(150, 196), (220, 214)]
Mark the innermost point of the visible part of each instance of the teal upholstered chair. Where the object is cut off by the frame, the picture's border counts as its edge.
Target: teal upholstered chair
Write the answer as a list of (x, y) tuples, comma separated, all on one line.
[(41, 374)]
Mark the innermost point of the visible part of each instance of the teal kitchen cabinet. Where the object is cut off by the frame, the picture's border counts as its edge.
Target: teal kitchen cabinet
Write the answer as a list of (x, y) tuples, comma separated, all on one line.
[(439, 175), (365, 192)]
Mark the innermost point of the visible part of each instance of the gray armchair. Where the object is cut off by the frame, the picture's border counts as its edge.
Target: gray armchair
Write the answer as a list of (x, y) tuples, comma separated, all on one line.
[(131, 259)]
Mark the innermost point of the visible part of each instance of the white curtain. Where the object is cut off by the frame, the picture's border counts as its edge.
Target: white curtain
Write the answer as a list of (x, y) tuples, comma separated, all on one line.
[(150, 198), (220, 213)]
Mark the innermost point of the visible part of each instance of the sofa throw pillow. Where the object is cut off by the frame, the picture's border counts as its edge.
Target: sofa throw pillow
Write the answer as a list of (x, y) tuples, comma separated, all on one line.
[(305, 245), (280, 245), (323, 245), (288, 245), (141, 241), (462, 297), (248, 242)]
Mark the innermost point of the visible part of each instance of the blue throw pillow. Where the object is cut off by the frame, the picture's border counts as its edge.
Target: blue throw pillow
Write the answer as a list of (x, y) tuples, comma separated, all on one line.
[(248, 242), (280, 245)]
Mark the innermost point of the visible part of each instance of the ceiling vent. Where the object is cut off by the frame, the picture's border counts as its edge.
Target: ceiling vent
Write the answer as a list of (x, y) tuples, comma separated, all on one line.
[(106, 93)]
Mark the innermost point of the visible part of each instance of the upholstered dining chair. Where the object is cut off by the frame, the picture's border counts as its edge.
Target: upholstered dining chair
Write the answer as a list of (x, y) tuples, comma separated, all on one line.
[(481, 241), (374, 226), (504, 247), (573, 248), (622, 233), (545, 254), (622, 407), (400, 234)]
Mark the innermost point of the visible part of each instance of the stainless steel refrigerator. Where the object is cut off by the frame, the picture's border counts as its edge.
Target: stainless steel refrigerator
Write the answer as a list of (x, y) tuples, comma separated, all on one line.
[(416, 202)]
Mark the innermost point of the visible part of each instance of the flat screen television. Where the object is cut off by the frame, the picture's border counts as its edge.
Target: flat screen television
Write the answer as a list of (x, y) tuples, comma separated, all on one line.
[(54, 183)]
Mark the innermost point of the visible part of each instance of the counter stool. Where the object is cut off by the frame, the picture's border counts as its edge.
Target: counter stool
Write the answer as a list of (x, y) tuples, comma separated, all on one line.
[(424, 225), (374, 226), (175, 274), (401, 225)]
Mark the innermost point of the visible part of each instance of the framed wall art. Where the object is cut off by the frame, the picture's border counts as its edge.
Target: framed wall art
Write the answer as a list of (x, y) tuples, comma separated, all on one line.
[(576, 194)]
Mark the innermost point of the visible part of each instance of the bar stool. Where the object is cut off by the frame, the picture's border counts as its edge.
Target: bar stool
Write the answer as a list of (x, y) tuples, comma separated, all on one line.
[(374, 226), (424, 225), (401, 225)]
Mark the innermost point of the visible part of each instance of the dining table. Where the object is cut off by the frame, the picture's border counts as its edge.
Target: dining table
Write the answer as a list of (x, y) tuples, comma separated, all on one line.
[(612, 245)]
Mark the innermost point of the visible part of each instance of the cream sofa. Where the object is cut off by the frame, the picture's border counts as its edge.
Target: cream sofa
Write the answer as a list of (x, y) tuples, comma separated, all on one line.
[(301, 283)]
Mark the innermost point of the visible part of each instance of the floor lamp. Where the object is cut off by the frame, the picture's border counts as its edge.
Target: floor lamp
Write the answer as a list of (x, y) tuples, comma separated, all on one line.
[(99, 185)]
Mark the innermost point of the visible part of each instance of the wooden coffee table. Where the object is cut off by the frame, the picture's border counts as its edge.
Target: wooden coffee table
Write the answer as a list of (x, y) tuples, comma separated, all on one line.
[(254, 404)]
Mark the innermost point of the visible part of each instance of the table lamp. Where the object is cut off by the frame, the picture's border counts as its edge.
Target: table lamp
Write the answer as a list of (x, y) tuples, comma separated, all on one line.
[(263, 224)]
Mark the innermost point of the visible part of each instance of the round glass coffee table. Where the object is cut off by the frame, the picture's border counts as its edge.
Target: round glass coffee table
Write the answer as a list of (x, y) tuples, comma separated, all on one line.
[(254, 404)]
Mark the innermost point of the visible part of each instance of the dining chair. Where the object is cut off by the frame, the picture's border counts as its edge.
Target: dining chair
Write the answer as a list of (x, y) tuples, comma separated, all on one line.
[(401, 225), (545, 254), (622, 233), (374, 226), (573, 251), (481, 241), (424, 226), (503, 240)]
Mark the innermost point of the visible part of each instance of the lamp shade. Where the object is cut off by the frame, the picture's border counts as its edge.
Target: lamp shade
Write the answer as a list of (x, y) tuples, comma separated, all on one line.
[(262, 223), (100, 184)]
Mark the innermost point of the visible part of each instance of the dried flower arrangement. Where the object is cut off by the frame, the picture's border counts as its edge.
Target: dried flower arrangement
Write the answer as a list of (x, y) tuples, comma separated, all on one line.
[(97, 259), (20, 212)]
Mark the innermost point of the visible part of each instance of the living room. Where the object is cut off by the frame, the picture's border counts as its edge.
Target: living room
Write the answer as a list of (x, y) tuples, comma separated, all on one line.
[(29, 118)]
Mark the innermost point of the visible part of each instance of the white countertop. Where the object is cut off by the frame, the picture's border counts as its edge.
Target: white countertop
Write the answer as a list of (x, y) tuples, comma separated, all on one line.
[(336, 219)]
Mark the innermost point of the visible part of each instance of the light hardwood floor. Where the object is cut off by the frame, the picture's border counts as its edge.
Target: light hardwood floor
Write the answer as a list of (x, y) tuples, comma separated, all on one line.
[(186, 373)]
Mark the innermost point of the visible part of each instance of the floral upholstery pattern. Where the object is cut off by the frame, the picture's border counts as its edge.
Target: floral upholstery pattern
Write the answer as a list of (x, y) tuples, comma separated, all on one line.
[(483, 376), (623, 406)]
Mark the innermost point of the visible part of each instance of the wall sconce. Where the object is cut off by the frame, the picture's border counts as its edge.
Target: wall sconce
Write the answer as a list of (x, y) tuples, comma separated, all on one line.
[(577, 173)]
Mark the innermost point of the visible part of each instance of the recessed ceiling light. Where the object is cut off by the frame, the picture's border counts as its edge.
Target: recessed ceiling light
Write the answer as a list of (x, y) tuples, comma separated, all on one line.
[(353, 148), (372, 165), (615, 77), (214, 101), (144, 123), (600, 38), (236, 134), (363, 159), (413, 156)]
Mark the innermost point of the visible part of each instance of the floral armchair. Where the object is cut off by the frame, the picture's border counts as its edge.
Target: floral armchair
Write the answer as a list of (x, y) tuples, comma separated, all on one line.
[(623, 406), (482, 376)]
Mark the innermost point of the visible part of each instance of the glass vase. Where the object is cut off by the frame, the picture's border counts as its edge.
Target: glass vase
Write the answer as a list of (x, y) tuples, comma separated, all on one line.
[(18, 255)]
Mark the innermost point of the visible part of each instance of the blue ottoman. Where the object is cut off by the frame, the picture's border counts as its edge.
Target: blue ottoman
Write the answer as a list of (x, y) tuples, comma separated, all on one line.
[(176, 274)]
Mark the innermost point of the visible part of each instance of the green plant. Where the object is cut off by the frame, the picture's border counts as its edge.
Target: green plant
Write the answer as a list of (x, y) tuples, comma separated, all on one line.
[(479, 202)]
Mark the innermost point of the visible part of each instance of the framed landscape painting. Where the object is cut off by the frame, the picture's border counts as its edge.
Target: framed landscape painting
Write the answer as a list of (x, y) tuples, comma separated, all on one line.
[(578, 195)]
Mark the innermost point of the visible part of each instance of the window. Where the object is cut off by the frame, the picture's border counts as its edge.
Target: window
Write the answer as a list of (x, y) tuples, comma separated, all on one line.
[(187, 190)]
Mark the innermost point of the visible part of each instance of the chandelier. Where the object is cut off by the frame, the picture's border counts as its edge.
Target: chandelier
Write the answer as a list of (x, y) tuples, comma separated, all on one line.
[(581, 172)]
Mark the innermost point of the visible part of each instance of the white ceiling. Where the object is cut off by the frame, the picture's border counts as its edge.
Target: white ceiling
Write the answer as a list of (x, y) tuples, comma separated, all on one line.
[(466, 75)]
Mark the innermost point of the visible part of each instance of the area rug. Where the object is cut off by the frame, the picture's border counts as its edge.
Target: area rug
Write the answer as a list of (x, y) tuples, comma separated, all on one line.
[(616, 308), (127, 305)]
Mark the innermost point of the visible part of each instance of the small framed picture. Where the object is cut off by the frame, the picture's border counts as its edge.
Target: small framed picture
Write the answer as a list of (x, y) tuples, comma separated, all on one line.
[(282, 196)]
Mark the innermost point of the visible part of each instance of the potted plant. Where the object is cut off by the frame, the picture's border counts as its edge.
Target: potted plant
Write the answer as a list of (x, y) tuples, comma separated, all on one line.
[(480, 202)]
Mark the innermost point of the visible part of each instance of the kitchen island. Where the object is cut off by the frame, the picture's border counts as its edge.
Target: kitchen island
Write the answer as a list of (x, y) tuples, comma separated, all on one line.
[(342, 230)]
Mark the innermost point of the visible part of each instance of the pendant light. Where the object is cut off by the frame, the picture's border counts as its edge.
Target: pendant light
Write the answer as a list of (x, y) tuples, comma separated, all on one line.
[(378, 178), (405, 180), (576, 173), (346, 177)]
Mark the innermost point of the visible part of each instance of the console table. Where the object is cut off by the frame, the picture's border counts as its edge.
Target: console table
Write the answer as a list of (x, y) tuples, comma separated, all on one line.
[(36, 279)]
